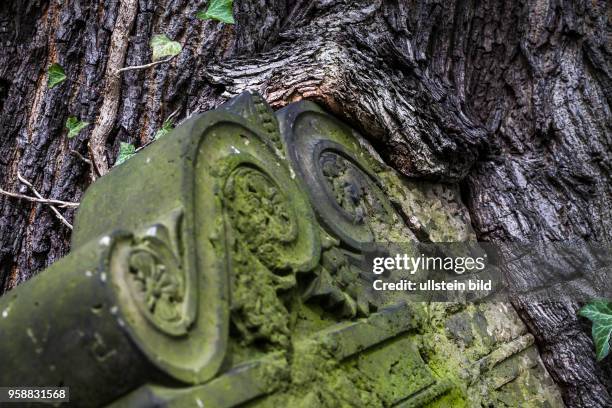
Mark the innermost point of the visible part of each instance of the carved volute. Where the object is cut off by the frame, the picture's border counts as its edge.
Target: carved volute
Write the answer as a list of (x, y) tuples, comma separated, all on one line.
[(229, 254)]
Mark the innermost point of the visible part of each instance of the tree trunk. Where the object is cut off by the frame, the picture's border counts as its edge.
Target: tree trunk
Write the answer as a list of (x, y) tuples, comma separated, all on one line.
[(509, 99)]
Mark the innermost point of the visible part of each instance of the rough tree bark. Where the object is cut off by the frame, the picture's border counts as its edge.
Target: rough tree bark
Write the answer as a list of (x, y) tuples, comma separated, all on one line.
[(509, 99)]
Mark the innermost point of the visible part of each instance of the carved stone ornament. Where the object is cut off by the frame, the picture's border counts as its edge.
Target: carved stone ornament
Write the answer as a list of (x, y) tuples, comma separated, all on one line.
[(222, 266), (152, 271)]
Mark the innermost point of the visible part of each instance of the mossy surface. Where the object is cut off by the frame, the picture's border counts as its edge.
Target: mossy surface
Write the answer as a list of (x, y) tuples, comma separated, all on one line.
[(454, 355), (261, 271)]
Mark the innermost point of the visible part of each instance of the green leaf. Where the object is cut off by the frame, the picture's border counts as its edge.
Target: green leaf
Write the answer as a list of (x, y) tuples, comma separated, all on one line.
[(167, 126), (56, 75), (126, 151), (600, 313), (75, 126), (164, 47), (220, 10)]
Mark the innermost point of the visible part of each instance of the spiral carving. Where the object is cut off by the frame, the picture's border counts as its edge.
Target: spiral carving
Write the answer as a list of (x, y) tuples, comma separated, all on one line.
[(261, 212), (158, 284), (270, 233), (350, 202), (355, 192)]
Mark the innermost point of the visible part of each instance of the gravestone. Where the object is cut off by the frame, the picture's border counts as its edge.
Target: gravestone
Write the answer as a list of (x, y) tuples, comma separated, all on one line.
[(220, 267)]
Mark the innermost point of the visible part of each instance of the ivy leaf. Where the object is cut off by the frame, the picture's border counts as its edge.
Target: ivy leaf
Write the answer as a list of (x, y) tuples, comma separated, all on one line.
[(167, 126), (164, 47), (600, 313), (56, 75), (220, 10), (126, 151), (75, 126)]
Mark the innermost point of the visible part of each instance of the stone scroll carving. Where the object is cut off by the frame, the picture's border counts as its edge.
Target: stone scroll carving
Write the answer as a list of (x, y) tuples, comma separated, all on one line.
[(149, 267), (228, 256)]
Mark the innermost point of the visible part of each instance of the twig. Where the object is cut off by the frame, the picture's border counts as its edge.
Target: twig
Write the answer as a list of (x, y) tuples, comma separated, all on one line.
[(40, 197), (80, 156), (145, 66), (95, 170), (43, 200), (144, 145), (61, 204), (173, 114)]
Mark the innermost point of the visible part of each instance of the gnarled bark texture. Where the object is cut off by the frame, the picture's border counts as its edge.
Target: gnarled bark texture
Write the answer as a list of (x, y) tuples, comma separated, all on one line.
[(509, 99)]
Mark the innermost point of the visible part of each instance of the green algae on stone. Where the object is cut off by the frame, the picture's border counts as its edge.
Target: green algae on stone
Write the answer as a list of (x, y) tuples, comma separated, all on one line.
[(237, 280)]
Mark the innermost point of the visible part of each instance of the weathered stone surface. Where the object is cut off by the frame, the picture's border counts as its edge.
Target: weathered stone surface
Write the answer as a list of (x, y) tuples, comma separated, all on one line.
[(226, 258)]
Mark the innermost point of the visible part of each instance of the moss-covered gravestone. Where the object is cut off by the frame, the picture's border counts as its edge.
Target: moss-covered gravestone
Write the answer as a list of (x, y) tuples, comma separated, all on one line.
[(220, 267)]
